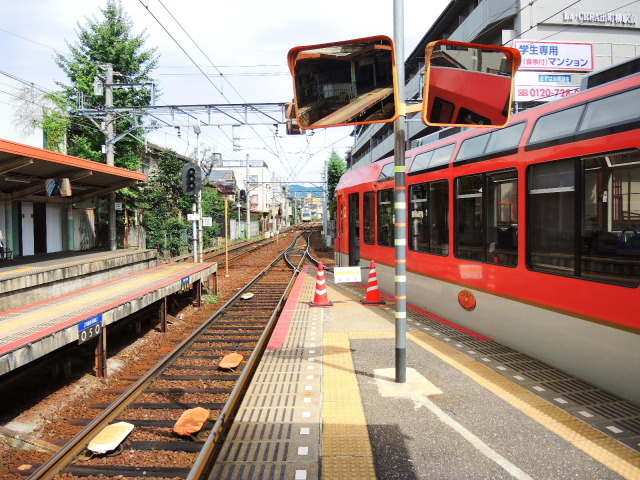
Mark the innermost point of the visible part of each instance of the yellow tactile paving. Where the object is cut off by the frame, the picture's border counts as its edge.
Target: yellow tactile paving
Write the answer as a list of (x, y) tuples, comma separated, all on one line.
[(347, 468), (338, 445), (346, 448)]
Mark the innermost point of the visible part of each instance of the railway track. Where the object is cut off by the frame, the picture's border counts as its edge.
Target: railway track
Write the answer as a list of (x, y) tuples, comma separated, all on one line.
[(187, 378)]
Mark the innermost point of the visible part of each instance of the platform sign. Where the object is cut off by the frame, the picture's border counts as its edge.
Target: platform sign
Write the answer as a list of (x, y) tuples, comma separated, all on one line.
[(207, 221), (185, 281), (347, 275), (89, 329)]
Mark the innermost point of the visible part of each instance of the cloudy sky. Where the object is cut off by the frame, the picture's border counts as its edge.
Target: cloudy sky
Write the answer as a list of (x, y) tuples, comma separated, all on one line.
[(242, 46)]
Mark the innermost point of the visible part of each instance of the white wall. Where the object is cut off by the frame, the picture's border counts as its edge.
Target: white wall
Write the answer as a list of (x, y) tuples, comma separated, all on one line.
[(55, 227), (27, 229)]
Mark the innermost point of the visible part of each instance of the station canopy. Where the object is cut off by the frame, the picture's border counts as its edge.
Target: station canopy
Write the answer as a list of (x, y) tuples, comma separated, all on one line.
[(34, 174)]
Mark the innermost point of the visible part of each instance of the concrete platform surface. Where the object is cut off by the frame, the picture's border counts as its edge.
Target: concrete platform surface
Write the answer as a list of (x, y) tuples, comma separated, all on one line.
[(324, 404)]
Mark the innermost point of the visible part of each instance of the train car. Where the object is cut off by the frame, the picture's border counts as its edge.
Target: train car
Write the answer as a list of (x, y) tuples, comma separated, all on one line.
[(528, 234), (306, 216)]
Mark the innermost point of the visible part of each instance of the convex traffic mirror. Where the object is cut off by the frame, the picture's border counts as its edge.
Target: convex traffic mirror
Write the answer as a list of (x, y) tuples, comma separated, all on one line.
[(354, 82), (344, 83), (468, 84)]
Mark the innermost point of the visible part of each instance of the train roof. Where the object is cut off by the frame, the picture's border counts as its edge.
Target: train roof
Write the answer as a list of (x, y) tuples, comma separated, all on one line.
[(607, 82)]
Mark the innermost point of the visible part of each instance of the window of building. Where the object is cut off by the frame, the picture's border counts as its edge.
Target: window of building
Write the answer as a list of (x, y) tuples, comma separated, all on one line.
[(369, 220), (585, 217), (487, 217), (385, 218), (429, 203)]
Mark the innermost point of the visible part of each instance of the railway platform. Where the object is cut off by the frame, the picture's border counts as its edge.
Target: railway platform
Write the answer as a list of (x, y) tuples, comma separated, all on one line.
[(324, 404), (55, 301)]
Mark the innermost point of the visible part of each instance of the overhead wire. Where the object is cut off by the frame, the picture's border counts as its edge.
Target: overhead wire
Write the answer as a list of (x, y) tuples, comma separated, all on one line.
[(209, 60)]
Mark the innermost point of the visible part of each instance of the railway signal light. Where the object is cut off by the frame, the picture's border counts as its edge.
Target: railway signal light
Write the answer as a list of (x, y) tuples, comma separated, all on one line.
[(191, 178), (243, 195)]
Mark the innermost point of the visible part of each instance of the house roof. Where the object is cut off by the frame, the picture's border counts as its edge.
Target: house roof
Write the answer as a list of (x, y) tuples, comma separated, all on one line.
[(24, 169)]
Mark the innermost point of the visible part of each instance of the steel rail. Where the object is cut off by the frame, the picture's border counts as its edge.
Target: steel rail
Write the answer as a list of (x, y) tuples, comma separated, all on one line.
[(72, 449), (205, 458)]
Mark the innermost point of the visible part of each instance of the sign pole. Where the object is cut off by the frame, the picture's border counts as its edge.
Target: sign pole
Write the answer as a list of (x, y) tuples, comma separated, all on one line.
[(400, 198), (226, 237)]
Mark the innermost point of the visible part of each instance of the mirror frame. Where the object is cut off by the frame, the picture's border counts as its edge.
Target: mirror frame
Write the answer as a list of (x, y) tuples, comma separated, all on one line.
[(296, 51), (512, 55)]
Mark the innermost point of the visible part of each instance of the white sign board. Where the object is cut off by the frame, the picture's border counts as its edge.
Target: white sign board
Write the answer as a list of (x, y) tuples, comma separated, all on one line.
[(118, 206), (347, 274), (545, 86), (554, 55), (207, 221), (192, 217)]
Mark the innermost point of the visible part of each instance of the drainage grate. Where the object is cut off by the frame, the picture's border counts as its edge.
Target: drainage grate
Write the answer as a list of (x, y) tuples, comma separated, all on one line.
[(596, 397), (618, 410), (631, 424), (530, 366), (573, 385), (546, 375)]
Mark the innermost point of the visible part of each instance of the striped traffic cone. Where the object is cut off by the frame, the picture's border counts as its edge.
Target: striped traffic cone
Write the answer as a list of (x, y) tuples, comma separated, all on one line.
[(320, 299), (373, 294)]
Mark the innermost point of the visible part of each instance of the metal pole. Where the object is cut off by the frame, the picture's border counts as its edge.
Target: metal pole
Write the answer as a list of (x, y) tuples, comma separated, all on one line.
[(109, 147), (247, 202), (200, 235), (195, 231), (226, 236), (400, 201)]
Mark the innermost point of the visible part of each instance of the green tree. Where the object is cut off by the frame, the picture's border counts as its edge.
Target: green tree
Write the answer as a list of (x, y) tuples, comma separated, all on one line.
[(106, 40), (165, 205), (335, 169)]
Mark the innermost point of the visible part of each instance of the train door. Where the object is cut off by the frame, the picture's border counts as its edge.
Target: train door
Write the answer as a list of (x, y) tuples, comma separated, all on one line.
[(354, 229)]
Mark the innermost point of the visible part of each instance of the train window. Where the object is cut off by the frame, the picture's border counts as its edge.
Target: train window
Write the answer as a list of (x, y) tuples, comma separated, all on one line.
[(387, 172), (430, 217), (432, 159), (590, 232), (551, 229), (613, 110), (385, 217), (472, 148), (555, 128), (442, 155), (489, 145), (505, 140), (487, 217), (421, 161), (369, 221)]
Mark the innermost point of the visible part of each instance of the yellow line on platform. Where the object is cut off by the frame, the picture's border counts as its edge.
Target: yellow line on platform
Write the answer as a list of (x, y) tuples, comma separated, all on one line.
[(346, 447)]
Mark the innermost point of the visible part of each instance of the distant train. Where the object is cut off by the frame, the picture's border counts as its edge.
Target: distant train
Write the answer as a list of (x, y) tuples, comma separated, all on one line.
[(306, 216), (528, 234)]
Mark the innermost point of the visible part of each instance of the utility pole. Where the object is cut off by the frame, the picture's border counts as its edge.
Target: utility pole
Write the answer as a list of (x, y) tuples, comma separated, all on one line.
[(109, 147), (400, 198)]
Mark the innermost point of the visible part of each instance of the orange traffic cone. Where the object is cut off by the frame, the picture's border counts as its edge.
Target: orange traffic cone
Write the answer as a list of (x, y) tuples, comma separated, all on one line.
[(320, 299), (373, 294)]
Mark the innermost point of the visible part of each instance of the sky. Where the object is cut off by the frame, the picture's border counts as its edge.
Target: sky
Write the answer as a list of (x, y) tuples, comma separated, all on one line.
[(241, 45)]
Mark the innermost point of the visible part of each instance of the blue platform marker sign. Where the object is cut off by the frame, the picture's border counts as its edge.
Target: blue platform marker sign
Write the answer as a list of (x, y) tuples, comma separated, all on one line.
[(186, 281), (90, 328)]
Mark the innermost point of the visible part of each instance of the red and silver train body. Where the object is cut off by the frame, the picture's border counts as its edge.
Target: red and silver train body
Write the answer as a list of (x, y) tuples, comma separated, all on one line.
[(528, 234)]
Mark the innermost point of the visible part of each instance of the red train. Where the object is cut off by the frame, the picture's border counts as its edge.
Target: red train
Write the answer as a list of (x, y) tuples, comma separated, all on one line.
[(528, 234)]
